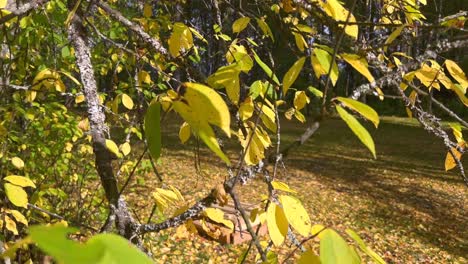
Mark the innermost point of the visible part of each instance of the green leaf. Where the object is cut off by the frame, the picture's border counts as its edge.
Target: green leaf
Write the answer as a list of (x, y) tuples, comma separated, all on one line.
[(321, 61), (296, 214), (266, 69), (333, 249), (16, 195), (240, 24), (358, 129), (102, 249), (153, 129), (364, 247), (315, 91), (292, 73), (363, 109), (19, 181)]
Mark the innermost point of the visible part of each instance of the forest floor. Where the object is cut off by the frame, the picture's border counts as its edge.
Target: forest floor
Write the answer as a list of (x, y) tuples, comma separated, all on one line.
[(403, 204)]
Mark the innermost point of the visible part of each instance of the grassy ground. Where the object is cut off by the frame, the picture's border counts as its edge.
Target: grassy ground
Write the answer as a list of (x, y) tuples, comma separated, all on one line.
[(404, 205)]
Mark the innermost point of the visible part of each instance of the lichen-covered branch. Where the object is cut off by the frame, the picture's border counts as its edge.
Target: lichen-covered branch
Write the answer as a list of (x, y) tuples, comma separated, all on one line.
[(22, 10)]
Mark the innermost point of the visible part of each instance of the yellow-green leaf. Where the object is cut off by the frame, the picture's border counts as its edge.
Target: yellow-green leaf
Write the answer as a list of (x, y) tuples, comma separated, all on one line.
[(201, 106), (457, 73), (357, 129), (217, 216), (300, 100), (277, 224), (246, 109), (79, 98), (296, 214), (300, 41), (16, 195), (144, 78), (153, 129), (147, 10), (359, 63), (265, 28), (393, 36), (19, 181), (334, 249), (240, 24), (184, 132), (334, 9), (125, 148), (10, 225), (321, 61), (17, 162), (308, 257), (363, 109), (112, 147), (277, 185), (266, 69), (127, 101), (3, 3), (364, 247), (228, 77), (19, 217), (291, 75), (181, 39)]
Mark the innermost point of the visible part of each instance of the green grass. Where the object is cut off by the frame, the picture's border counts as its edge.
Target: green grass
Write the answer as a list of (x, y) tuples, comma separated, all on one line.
[(403, 204)]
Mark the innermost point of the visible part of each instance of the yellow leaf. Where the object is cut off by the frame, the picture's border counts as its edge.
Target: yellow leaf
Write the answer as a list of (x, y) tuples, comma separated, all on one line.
[(308, 257), (299, 116), (300, 41), (239, 54), (144, 78), (334, 9), (84, 124), (30, 96), (3, 3), (277, 224), (164, 197), (79, 98), (17, 162), (457, 131), (457, 73), (19, 181), (268, 117), (259, 141), (112, 147), (291, 75), (10, 225), (246, 109), (184, 132), (428, 76), (147, 10), (287, 6), (300, 100), (16, 195), (296, 214), (450, 162), (181, 39), (393, 36), (359, 63), (127, 101), (240, 24), (459, 91), (228, 77), (217, 216), (19, 217), (125, 148), (49, 79), (277, 185), (289, 113), (200, 106)]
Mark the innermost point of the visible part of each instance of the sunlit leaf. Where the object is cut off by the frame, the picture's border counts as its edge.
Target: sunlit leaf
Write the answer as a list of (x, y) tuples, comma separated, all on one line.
[(296, 214), (184, 132), (217, 216), (16, 195), (364, 247), (17, 162), (125, 148), (127, 101), (321, 61), (277, 224), (450, 162), (357, 129), (300, 100), (20, 181), (277, 185), (363, 109), (265, 28), (308, 257), (181, 39), (246, 109), (334, 249), (291, 75), (112, 147), (266, 69), (10, 225), (19, 217), (240, 24), (359, 63), (457, 73)]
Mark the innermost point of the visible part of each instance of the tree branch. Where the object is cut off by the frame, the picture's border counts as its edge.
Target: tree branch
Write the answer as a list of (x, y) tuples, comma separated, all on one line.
[(22, 10)]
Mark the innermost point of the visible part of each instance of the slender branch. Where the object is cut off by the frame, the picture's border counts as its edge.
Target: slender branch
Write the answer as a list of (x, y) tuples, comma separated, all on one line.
[(22, 10)]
